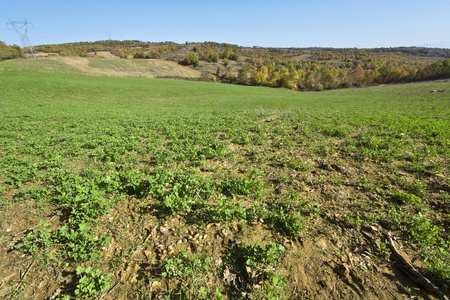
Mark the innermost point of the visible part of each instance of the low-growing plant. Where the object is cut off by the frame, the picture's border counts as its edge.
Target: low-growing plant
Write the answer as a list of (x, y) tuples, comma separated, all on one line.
[(429, 238), (32, 193), (247, 185), (404, 198), (173, 203), (20, 174), (226, 210), (287, 216), (254, 256), (188, 271), (295, 163), (178, 192), (335, 131), (352, 220), (184, 266), (37, 240), (292, 224), (91, 283), (253, 263), (273, 286), (86, 208), (79, 244)]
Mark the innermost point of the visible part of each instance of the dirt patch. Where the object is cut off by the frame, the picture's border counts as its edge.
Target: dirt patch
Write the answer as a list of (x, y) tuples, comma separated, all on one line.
[(104, 54), (336, 265), (47, 54)]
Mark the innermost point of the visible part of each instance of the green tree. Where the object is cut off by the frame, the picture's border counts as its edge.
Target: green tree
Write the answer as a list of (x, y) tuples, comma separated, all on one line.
[(192, 59), (9, 52), (212, 56), (243, 73), (226, 63)]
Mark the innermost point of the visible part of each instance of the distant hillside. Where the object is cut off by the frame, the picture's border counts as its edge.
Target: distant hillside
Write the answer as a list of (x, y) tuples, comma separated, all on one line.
[(293, 68), (152, 68)]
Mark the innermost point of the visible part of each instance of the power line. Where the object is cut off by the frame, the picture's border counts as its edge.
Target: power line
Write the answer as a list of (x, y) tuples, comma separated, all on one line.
[(21, 27)]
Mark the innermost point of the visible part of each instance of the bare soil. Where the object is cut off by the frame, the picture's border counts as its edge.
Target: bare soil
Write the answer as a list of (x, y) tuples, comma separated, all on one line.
[(327, 262)]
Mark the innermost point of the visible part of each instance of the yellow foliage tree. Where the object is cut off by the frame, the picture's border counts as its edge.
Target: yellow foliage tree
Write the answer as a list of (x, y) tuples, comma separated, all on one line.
[(259, 77)]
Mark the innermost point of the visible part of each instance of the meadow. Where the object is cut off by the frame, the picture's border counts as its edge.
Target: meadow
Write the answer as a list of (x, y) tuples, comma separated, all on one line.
[(144, 188)]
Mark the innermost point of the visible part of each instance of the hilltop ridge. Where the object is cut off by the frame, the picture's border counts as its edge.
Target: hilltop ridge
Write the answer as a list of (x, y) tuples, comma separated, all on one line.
[(293, 68)]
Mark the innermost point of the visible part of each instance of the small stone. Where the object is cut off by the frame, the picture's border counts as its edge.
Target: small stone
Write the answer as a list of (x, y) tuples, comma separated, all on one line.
[(219, 262), (154, 285), (163, 230)]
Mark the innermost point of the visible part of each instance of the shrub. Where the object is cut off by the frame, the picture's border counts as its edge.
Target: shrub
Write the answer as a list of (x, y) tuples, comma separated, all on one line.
[(192, 59)]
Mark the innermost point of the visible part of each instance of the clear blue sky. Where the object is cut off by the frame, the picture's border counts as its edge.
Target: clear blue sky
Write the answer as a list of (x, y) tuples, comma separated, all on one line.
[(283, 23)]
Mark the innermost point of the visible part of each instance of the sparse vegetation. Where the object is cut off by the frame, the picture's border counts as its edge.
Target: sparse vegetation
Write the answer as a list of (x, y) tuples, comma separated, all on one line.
[(145, 188)]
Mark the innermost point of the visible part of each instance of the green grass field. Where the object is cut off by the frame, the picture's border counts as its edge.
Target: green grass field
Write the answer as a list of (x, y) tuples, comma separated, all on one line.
[(156, 189)]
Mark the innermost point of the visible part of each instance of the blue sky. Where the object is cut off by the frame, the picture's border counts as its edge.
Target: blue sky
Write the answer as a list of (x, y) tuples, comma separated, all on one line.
[(283, 23)]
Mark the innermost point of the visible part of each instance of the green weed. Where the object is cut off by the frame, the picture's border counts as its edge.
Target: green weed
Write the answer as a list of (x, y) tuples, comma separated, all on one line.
[(37, 240), (404, 198), (79, 244), (189, 271), (91, 283), (226, 210), (254, 256), (234, 186)]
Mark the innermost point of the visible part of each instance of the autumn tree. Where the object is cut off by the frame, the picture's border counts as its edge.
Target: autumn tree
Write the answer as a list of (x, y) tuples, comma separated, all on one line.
[(192, 59), (259, 77)]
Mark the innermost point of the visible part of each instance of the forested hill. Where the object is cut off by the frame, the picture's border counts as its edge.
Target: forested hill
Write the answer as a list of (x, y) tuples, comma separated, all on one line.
[(294, 68)]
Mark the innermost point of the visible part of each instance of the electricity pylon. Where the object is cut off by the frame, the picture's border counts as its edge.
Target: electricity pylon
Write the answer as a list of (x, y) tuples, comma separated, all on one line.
[(21, 27)]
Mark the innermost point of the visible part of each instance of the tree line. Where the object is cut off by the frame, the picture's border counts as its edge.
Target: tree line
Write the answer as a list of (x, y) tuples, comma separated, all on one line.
[(322, 68), (127, 49), (316, 75), (10, 52), (342, 68), (293, 68)]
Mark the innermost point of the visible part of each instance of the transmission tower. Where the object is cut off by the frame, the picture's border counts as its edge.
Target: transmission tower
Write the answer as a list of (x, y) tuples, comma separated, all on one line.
[(21, 27)]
